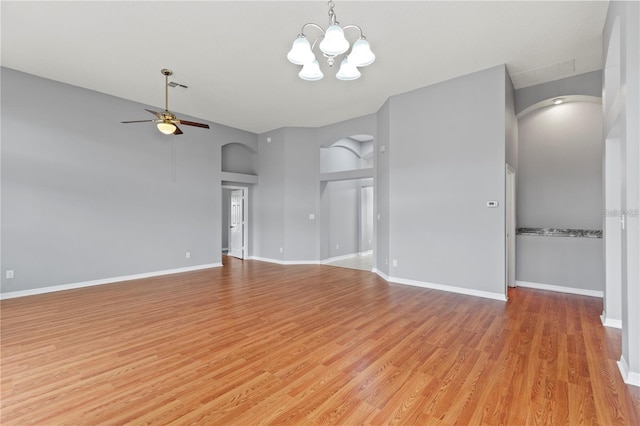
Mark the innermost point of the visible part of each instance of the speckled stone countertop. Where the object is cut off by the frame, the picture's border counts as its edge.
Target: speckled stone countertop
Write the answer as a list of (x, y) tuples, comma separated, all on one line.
[(555, 232)]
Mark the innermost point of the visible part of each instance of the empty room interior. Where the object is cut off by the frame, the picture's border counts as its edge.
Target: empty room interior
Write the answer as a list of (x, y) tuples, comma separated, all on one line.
[(306, 212)]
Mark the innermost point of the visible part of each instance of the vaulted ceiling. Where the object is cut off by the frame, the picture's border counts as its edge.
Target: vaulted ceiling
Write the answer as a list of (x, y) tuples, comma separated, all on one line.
[(232, 54)]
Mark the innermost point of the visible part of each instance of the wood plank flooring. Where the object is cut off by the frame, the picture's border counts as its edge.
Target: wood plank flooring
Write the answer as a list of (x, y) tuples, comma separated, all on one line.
[(258, 343)]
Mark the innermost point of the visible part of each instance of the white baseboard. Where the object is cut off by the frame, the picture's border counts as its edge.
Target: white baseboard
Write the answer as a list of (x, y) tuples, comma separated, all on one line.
[(284, 262), (62, 287), (630, 377), (441, 287), (366, 253), (380, 274), (610, 322), (560, 289), (343, 257), (450, 289), (301, 262)]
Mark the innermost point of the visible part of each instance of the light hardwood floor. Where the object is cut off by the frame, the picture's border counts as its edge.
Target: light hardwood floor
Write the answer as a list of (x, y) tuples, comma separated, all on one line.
[(258, 343)]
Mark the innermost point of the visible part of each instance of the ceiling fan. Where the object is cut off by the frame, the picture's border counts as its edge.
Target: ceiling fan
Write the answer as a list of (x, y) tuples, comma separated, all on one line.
[(167, 121)]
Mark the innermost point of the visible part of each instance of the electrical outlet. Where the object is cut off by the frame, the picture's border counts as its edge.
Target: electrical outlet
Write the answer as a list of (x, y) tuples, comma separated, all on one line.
[(187, 255), (10, 274), (337, 246), (395, 262), (281, 250)]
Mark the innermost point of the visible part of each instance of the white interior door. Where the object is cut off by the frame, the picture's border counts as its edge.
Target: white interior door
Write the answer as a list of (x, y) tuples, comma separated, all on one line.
[(236, 224), (511, 227)]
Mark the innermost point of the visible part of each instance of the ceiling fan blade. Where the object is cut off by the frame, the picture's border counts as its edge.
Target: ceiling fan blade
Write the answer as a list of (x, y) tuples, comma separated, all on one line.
[(137, 121), (178, 131), (157, 114), (193, 123)]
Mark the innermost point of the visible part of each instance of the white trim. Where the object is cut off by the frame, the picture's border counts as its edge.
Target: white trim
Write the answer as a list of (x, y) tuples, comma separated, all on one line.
[(62, 287), (301, 262), (380, 274), (266, 259), (448, 288), (630, 377), (343, 257), (284, 262), (245, 216), (366, 253), (560, 289), (610, 322)]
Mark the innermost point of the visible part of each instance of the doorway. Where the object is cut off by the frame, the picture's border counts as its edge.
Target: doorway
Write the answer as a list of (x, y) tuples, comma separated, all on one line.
[(235, 221)]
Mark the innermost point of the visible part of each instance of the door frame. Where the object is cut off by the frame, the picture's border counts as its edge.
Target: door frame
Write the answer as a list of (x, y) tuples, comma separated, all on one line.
[(510, 228), (245, 217)]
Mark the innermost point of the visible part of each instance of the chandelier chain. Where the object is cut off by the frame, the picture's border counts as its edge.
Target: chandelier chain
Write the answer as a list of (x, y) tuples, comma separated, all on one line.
[(332, 14)]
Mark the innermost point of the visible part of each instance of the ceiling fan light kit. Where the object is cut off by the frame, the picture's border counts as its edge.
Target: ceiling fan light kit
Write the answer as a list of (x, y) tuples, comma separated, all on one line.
[(332, 44), (166, 121)]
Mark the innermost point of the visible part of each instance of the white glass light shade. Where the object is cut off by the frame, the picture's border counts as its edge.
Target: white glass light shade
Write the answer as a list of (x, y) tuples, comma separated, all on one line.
[(311, 71), (166, 128), (361, 54), (300, 52), (347, 71), (334, 42)]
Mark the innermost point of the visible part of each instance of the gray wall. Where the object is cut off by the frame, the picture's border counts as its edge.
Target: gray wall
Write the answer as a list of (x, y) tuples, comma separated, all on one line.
[(226, 209), (587, 84), (561, 261), (382, 145), (627, 16), (366, 215), (560, 167), (86, 198), (302, 187), (343, 217), (269, 197), (511, 125), (446, 160)]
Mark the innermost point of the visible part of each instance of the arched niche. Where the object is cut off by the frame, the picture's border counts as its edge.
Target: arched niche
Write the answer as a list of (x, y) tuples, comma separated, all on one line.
[(239, 158), (349, 153)]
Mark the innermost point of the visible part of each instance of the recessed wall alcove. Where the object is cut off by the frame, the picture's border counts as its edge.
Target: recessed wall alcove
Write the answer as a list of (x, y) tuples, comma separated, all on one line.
[(239, 158)]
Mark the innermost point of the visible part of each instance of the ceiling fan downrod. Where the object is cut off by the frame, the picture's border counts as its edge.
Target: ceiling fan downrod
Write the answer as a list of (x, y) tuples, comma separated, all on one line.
[(166, 72)]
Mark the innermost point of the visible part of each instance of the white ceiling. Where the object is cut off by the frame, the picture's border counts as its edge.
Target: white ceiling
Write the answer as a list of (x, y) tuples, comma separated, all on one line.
[(232, 54)]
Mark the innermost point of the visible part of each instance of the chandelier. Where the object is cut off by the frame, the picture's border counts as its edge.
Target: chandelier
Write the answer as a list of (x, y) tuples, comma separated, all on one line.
[(332, 44)]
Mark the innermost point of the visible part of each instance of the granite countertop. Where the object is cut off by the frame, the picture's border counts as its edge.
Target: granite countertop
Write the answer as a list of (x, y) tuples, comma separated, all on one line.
[(556, 232)]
